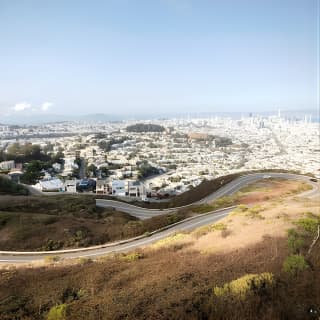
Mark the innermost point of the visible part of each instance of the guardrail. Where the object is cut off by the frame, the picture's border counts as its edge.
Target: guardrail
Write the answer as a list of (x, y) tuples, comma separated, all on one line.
[(107, 245)]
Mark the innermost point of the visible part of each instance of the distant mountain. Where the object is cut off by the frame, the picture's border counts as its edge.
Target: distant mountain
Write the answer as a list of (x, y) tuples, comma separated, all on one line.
[(31, 119), (49, 118)]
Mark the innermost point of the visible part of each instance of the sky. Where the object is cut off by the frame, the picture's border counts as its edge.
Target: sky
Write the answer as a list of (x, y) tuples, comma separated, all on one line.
[(158, 56)]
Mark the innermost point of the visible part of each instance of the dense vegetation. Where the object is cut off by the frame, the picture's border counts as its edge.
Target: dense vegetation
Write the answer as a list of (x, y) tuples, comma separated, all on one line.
[(142, 127), (222, 141), (22, 153), (219, 141), (33, 158), (146, 170), (8, 186), (106, 145)]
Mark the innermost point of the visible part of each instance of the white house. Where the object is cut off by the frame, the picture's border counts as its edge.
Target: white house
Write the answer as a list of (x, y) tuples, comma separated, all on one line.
[(50, 185), (7, 165), (136, 189), (70, 185), (103, 186), (118, 188)]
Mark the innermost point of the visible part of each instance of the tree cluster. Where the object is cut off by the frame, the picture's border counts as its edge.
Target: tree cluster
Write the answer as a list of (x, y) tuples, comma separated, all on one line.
[(142, 127), (146, 170)]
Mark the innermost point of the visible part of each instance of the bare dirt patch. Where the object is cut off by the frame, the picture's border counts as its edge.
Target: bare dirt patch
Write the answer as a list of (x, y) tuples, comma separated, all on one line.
[(272, 220), (270, 189)]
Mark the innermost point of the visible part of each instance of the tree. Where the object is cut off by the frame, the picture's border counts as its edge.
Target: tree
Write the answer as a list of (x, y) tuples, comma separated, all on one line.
[(33, 172), (146, 170), (57, 158), (75, 173), (142, 127), (104, 172), (26, 152), (8, 186), (104, 145), (92, 170)]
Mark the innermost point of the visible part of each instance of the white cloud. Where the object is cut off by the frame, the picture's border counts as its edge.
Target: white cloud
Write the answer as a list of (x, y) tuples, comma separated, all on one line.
[(46, 105), (21, 106)]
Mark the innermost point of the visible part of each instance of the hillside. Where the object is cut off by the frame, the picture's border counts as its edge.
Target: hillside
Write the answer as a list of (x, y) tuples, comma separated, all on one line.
[(9, 187), (253, 264), (73, 221), (143, 127), (67, 221)]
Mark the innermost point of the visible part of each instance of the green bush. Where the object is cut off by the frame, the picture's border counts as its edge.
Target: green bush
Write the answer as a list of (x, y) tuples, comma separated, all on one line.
[(218, 226), (242, 207), (52, 245), (202, 231), (171, 240), (203, 208), (58, 312), (308, 224), (132, 256), (294, 264), (217, 204), (5, 218), (84, 260), (254, 212), (9, 187), (241, 287), (295, 242)]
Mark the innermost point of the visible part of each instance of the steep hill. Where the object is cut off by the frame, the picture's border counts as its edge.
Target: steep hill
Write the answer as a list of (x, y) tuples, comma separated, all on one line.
[(254, 264)]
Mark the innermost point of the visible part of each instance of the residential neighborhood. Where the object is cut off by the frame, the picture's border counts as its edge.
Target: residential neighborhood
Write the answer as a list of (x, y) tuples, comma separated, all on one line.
[(154, 159)]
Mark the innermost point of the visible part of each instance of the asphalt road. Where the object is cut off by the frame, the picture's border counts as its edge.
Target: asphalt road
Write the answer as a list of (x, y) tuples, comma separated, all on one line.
[(124, 246), (228, 189), (186, 225)]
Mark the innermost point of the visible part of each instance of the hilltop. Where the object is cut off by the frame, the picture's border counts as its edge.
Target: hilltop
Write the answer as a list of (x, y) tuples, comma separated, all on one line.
[(253, 264), (143, 127)]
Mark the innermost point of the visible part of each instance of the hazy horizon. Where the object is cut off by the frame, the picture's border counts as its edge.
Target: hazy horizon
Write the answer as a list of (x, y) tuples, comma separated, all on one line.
[(159, 57), (35, 119)]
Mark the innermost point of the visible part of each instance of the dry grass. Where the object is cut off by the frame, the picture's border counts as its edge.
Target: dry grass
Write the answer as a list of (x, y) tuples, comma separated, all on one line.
[(248, 228), (53, 223), (179, 277), (177, 282)]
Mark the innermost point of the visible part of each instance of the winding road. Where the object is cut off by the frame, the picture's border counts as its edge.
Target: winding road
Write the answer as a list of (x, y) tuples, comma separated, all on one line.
[(229, 189), (14, 257)]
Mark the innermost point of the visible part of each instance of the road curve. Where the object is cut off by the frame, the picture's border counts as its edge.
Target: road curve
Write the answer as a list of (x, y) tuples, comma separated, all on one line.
[(185, 225), (13, 257), (228, 189)]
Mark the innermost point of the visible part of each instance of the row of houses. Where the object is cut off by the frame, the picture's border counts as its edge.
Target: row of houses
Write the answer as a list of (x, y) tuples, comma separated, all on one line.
[(10, 165), (123, 188), (129, 188)]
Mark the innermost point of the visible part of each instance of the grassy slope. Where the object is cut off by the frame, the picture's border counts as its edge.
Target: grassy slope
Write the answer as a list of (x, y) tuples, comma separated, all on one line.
[(174, 281), (56, 222), (206, 188), (9, 187)]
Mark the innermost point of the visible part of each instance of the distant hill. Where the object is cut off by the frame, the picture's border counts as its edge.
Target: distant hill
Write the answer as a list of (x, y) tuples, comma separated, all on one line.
[(30, 118), (142, 127)]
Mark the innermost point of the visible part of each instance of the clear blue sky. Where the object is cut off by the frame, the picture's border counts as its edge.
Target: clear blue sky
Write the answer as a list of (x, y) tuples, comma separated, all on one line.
[(157, 56)]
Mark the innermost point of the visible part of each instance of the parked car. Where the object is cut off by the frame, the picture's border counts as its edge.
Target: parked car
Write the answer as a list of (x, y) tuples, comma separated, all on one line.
[(86, 185), (145, 200)]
